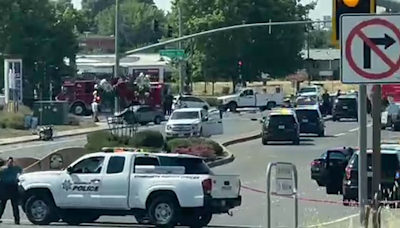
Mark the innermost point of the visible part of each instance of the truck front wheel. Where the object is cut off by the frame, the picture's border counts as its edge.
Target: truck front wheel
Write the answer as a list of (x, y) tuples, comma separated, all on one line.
[(163, 211), (40, 210)]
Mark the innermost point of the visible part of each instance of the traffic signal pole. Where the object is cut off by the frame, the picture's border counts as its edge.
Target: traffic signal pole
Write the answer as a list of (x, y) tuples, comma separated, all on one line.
[(223, 29), (181, 74), (117, 55)]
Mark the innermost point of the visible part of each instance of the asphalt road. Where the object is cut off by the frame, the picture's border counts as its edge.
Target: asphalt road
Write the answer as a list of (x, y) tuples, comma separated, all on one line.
[(250, 163), (234, 124)]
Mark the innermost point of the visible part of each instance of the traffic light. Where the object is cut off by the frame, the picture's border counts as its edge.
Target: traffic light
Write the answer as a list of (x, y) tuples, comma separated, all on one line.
[(155, 26), (240, 63), (169, 31), (341, 7)]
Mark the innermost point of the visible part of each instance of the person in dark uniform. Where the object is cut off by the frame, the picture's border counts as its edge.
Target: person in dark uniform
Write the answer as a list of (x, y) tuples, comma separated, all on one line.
[(9, 187), (326, 103)]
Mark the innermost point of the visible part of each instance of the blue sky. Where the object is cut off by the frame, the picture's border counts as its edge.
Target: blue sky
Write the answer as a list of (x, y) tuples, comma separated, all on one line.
[(324, 7)]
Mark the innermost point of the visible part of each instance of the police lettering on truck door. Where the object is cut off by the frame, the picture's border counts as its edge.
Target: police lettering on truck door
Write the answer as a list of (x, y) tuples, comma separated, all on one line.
[(81, 187), (67, 185)]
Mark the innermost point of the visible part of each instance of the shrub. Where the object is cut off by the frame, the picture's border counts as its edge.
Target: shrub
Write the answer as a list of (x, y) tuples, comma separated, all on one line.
[(14, 120), (100, 139), (219, 151), (201, 150), (144, 139), (148, 138), (195, 146)]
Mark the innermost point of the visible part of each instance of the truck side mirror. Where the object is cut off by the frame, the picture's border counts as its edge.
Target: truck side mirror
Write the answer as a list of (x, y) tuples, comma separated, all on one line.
[(70, 170)]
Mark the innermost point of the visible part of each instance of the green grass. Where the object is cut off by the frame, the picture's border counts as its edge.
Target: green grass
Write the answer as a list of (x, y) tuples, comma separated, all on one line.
[(9, 133)]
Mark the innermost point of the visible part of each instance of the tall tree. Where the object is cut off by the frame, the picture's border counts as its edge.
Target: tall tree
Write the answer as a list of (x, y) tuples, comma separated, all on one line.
[(136, 23), (277, 53), (41, 35)]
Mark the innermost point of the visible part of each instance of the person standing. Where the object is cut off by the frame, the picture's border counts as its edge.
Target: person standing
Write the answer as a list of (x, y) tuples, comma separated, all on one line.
[(9, 186), (326, 102)]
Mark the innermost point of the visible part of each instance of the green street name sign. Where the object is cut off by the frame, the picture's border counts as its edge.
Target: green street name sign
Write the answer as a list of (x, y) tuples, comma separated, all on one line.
[(173, 53)]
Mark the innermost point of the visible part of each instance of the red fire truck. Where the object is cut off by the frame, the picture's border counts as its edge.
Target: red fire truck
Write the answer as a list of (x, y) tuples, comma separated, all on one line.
[(79, 94), (388, 90)]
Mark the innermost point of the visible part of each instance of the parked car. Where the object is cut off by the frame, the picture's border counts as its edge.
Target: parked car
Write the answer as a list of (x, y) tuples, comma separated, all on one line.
[(345, 106), (142, 114), (328, 169), (311, 120), (187, 101), (390, 165), (280, 125)]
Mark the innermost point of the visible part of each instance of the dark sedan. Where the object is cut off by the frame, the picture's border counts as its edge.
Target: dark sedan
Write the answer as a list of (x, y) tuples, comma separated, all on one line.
[(328, 169)]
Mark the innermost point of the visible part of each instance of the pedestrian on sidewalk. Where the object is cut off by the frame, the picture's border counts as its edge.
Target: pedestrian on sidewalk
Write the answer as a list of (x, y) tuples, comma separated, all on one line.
[(9, 188)]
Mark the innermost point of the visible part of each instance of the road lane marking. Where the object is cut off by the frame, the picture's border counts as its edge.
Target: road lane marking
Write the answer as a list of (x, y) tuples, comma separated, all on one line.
[(111, 224), (340, 134), (334, 221)]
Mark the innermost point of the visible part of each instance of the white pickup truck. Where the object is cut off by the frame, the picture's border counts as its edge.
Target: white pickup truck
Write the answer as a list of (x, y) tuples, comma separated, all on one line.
[(166, 189), (247, 98), (194, 122)]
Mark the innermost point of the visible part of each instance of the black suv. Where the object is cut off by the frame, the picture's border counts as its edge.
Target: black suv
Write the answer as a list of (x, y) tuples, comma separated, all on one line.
[(390, 163), (345, 106), (311, 120), (281, 125)]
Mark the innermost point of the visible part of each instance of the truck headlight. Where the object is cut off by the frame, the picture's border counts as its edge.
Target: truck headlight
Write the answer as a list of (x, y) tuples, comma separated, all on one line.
[(169, 127), (195, 126)]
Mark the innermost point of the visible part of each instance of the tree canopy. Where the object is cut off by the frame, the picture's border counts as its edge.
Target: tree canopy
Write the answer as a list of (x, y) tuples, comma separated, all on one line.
[(42, 33), (276, 53), (136, 27)]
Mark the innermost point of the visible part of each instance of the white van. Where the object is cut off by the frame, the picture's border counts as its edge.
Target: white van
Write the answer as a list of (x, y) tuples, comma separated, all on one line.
[(198, 122)]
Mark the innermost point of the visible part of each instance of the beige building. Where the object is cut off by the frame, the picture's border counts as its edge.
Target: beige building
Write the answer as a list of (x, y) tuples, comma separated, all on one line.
[(322, 63)]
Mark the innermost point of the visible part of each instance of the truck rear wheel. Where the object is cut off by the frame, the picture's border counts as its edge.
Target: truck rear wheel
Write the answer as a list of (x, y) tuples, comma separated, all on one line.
[(163, 211), (40, 210)]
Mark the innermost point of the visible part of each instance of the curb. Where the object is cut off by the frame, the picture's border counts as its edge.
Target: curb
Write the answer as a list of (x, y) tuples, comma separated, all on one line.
[(54, 137), (230, 157)]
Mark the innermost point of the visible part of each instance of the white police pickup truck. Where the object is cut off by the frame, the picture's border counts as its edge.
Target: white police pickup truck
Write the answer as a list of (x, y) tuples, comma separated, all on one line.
[(166, 189)]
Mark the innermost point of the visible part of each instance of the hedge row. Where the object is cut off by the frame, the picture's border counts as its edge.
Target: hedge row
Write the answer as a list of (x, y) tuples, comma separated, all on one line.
[(154, 140)]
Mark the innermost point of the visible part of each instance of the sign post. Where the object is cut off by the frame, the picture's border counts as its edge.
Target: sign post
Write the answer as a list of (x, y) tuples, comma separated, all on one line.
[(286, 185), (370, 54), (173, 53), (13, 83)]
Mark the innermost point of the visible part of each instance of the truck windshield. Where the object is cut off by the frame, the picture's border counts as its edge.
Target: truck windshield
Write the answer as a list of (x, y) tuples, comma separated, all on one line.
[(192, 165), (185, 115), (307, 90)]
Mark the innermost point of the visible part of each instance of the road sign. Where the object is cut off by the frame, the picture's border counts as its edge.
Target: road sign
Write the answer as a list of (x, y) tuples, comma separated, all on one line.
[(173, 53), (370, 48), (286, 185), (284, 179)]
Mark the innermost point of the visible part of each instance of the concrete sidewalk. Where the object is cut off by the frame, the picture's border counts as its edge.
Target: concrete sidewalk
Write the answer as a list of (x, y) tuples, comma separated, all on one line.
[(57, 134)]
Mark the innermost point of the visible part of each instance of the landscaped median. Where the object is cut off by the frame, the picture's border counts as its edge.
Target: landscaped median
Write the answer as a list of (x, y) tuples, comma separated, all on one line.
[(214, 152)]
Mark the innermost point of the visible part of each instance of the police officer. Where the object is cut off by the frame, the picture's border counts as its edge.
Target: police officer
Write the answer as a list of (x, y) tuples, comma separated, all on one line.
[(9, 186)]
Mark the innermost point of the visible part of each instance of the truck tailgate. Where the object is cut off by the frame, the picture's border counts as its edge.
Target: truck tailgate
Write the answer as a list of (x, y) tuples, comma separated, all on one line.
[(225, 186)]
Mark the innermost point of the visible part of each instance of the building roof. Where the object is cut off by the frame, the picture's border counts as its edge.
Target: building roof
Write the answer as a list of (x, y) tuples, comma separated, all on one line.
[(322, 54), (139, 60)]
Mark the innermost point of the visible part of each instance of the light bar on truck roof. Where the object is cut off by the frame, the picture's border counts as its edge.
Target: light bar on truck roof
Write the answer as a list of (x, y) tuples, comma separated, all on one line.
[(126, 149)]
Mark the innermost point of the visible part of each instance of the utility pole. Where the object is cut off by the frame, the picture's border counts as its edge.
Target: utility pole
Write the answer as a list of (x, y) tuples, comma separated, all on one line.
[(181, 75), (116, 42), (308, 55)]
